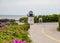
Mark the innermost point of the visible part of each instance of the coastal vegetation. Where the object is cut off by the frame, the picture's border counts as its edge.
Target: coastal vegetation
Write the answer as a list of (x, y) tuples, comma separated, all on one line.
[(15, 32), (59, 24), (12, 20), (45, 18), (23, 19)]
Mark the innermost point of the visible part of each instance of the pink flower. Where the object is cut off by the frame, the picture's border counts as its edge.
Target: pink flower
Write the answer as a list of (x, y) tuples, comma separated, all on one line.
[(23, 41), (19, 41), (1, 28), (15, 41)]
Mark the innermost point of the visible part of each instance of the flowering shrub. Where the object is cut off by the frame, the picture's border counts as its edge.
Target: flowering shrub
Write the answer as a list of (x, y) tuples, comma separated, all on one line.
[(1, 28), (19, 41), (17, 32)]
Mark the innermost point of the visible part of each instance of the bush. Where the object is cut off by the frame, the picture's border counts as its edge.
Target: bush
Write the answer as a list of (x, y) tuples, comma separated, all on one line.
[(58, 29), (19, 32), (59, 25), (46, 18), (12, 20), (50, 18), (36, 19), (23, 19), (26, 26)]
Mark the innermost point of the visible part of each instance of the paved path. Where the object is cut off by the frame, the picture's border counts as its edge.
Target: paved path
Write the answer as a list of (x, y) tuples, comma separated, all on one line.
[(38, 35)]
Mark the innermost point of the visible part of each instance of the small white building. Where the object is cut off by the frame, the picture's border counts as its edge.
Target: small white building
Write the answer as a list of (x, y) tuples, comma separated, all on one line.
[(30, 17), (40, 20)]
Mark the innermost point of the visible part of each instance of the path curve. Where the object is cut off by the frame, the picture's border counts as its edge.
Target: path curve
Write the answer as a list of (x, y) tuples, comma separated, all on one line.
[(37, 35), (49, 36)]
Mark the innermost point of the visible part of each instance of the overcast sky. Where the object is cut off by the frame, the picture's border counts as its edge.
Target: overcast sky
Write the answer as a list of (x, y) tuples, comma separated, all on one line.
[(22, 7)]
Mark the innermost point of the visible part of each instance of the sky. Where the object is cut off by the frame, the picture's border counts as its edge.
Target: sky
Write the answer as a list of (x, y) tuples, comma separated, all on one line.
[(22, 7)]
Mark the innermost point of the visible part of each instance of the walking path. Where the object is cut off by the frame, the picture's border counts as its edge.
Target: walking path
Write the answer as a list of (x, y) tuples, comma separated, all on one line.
[(40, 33)]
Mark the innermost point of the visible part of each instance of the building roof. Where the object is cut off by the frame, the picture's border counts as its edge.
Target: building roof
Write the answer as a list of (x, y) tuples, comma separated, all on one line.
[(30, 14)]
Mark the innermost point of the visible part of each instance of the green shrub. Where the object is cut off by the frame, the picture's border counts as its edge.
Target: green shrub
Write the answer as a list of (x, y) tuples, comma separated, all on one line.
[(58, 29), (59, 25), (59, 22), (36, 19), (19, 32), (12, 20), (23, 19), (26, 26), (50, 18), (46, 18)]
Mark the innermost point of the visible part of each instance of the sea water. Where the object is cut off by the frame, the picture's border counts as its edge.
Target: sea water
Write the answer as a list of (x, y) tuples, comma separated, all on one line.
[(16, 17)]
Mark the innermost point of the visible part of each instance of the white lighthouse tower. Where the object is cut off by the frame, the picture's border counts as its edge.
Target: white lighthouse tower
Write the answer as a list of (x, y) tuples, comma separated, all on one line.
[(30, 17)]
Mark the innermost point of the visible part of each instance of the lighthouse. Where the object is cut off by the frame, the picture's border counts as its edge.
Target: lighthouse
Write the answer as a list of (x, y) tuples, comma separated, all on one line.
[(30, 17)]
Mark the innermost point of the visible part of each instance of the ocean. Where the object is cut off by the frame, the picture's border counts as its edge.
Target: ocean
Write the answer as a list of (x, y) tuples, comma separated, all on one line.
[(16, 17)]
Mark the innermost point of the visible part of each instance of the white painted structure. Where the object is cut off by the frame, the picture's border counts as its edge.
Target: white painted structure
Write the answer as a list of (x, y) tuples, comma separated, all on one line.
[(30, 17), (40, 20)]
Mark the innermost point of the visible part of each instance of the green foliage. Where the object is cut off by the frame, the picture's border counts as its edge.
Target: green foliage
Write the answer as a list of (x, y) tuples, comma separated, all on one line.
[(58, 29), (50, 18), (12, 20), (59, 25), (23, 19), (46, 18), (36, 19), (59, 22), (19, 32), (25, 27)]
